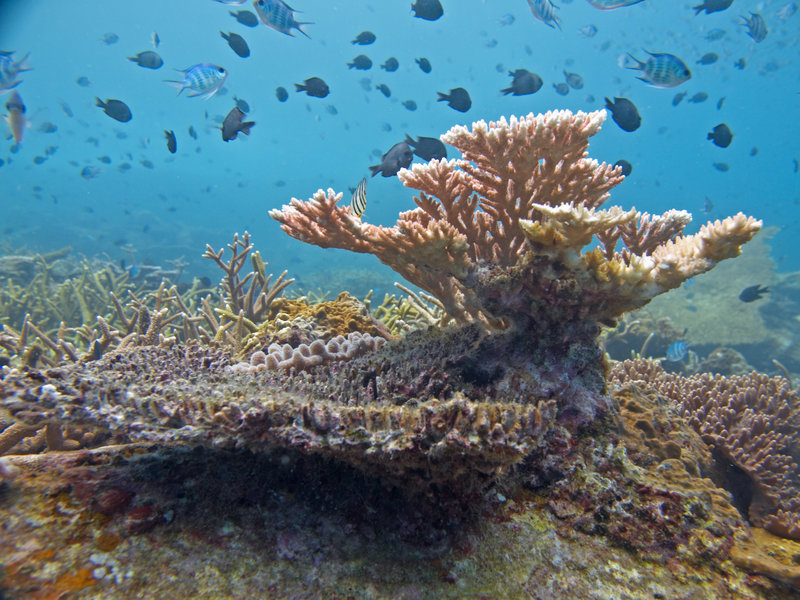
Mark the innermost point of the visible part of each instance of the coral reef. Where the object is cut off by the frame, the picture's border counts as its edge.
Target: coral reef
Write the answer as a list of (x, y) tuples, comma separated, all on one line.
[(752, 422)]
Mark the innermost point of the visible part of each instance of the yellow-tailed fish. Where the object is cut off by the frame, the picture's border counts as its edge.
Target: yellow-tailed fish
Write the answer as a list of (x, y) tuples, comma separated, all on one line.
[(16, 116), (358, 203)]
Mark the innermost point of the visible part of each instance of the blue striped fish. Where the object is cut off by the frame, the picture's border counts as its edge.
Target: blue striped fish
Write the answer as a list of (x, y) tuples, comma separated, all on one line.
[(661, 70), (612, 4), (9, 69), (677, 351), (358, 203), (279, 16), (756, 27), (545, 11), (203, 79)]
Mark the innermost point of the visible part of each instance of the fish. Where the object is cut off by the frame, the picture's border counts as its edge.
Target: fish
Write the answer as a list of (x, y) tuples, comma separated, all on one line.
[(756, 26), (279, 16), (231, 2), (786, 11), (16, 116), (65, 108), (506, 20), (627, 168), (624, 113), (523, 83), (48, 127), (358, 203), (677, 351), (172, 144), (116, 109), (720, 102), (83, 81), (384, 89), (721, 135), (365, 38), (90, 172), (424, 64), (390, 64), (708, 205), (192, 132), (712, 6), (313, 86), (10, 69), (457, 99), (409, 105), (612, 4), (698, 98), (715, 34), (361, 62), (740, 63), (588, 31), (721, 166), (50, 150), (398, 157), (661, 70), (203, 79), (430, 10), (427, 148), (147, 164), (281, 94), (233, 124), (147, 59), (752, 293), (110, 38), (562, 88), (753, 150), (574, 80), (155, 39), (242, 104), (545, 11), (331, 109), (106, 160), (245, 17), (237, 43), (709, 58), (676, 99)]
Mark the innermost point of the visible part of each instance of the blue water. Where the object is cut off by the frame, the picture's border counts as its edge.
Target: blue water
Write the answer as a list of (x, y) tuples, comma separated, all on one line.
[(211, 189)]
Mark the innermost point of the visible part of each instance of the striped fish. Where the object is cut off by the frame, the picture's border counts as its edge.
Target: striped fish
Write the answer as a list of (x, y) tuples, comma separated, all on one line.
[(358, 203), (9, 69), (612, 4), (661, 70), (756, 27), (677, 351), (203, 79), (279, 16), (545, 11)]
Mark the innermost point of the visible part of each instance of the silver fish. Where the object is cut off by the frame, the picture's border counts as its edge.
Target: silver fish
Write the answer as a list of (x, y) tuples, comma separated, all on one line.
[(279, 16), (358, 203), (545, 11), (756, 27), (612, 4), (661, 70), (203, 79)]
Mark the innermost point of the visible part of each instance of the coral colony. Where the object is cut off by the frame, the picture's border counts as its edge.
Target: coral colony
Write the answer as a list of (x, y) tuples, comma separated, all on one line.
[(502, 377)]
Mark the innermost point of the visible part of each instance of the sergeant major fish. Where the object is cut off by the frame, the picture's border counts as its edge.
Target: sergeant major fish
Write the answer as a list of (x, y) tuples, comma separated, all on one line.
[(279, 16), (203, 79), (9, 69), (756, 27), (661, 70), (545, 11)]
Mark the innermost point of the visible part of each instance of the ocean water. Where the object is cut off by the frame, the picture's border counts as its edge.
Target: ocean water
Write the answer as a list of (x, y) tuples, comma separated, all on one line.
[(210, 189)]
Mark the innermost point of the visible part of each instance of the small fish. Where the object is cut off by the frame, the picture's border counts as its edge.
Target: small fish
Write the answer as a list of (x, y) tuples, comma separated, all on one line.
[(720, 102), (398, 157), (279, 16), (65, 108), (698, 98), (753, 150), (203, 79), (711, 6), (409, 105), (627, 168), (90, 172), (709, 58), (458, 99), (588, 31), (708, 205), (9, 69), (361, 62), (313, 86), (545, 11), (48, 127), (192, 132), (427, 148), (523, 83), (390, 65), (110, 38), (715, 34), (752, 293), (147, 59), (16, 116), (172, 144), (233, 124), (424, 64), (242, 104), (624, 113), (37, 160), (384, 89), (721, 135), (331, 109), (677, 351), (237, 43), (574, 80), (676, 99), (561, 88), (721, 166), (122, 167), (365, 38), (281, 94), (245, 17), (116, 109), (106, 160), (50, 150), (147, 164), (155, 39), (661, 70), (430, 10), (756, 26), (358, 203), (740, 64), (787, 11), (506, 20), (83, 81), (231, 2), (612, 4)]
